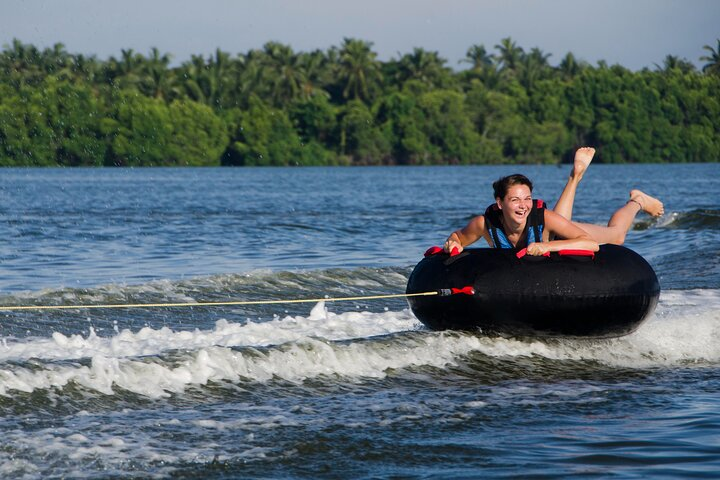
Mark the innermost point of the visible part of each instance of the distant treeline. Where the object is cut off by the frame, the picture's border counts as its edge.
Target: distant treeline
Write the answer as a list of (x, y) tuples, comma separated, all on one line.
[(343, 106)]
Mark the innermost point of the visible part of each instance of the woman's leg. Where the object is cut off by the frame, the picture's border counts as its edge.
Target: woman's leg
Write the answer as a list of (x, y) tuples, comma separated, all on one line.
[(564, 205), (622, 219)]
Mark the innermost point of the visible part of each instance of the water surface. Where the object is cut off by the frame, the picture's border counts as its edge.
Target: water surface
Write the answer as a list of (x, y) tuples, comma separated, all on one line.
[(335, 390)]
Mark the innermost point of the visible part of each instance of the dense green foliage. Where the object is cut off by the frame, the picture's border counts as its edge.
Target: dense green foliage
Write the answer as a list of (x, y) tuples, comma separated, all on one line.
[(343, 106)]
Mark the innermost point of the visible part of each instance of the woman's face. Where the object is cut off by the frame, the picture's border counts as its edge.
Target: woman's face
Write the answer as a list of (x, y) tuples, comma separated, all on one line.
[(516, 204)]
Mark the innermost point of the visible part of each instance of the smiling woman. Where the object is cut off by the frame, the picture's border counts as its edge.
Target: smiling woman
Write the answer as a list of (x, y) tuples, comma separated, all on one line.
[(517, 221)]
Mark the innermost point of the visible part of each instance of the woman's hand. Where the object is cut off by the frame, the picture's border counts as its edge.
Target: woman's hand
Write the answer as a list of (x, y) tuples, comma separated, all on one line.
[(537, 249), (451, 243)]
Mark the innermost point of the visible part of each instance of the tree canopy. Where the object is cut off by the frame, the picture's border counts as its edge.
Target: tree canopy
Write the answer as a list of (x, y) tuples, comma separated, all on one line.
[(344, 106)]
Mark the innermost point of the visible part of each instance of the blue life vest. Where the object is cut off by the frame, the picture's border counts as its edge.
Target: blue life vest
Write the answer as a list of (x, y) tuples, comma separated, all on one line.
[(533, 227)]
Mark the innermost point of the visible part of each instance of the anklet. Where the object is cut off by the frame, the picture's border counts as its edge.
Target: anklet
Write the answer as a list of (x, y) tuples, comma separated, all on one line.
[(633, 200)]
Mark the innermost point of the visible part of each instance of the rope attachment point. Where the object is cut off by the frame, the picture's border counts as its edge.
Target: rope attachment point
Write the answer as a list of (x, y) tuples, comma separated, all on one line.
[(446, 292)]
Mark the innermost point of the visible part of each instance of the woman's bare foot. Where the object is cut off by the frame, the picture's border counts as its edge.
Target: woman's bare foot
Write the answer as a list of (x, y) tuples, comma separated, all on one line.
[(650, 205), (583, 157)]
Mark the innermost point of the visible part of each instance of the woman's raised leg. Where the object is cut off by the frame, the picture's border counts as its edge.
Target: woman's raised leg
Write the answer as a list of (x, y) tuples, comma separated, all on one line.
[(564, 205), (622, 219)]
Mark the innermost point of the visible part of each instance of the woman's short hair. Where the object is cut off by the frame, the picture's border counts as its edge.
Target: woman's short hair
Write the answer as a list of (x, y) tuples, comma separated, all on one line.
[(501, 185)]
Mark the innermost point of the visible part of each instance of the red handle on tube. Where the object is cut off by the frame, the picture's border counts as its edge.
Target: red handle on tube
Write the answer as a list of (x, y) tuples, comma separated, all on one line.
[(577, 253), (523, 252), (435, 250)]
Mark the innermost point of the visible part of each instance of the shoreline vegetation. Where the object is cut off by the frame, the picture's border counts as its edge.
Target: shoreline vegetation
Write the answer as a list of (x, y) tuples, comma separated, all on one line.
[(342, 106)]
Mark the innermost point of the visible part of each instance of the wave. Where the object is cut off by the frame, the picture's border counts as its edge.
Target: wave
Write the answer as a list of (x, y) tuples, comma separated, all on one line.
[(258, 285), (694, 220), (150, 341), (684, 331), (251, 285)]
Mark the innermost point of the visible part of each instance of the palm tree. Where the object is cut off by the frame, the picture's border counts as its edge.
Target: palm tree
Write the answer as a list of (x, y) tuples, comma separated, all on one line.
[(158, 81), (358, 69), (510, 55), (283, 72), (56, 61), (423, 66), (125, 72), (315, 67), (21, 63), (209, 83), (478, 57), (483, 66), (713, 59), (533, 67), (86, 68), (570, 67), (245, 74), (673, 62)]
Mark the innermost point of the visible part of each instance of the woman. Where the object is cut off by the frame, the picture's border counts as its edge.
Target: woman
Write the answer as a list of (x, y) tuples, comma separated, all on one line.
[(515, 220)]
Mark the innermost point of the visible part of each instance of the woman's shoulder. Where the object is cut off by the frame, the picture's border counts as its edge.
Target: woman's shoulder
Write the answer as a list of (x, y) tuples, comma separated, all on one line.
[(477, 223)]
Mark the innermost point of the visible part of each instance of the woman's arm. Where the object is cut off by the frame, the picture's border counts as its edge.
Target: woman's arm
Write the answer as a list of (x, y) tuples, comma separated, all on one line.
[(469, 234), (574, 236)]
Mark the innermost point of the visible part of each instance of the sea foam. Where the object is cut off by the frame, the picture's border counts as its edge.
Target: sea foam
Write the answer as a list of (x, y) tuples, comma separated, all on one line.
[(685, 330)]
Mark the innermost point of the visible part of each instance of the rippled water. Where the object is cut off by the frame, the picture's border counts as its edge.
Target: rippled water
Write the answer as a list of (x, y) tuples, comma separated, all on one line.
[(333, 390)]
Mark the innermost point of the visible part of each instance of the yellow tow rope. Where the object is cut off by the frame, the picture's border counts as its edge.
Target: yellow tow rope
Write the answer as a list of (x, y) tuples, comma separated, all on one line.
[(212, 304)]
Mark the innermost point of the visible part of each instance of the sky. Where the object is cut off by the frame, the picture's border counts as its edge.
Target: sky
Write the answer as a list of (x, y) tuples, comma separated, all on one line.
[(632, 33)]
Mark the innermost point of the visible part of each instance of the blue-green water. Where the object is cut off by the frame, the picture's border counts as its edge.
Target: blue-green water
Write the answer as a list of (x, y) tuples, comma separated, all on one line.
[(333, 390)]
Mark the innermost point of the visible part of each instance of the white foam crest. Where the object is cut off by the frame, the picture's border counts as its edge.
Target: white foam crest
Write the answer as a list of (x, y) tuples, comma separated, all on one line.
[(148, 341), (684, 330), (667, 219), (664, 340), (295, 362)]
